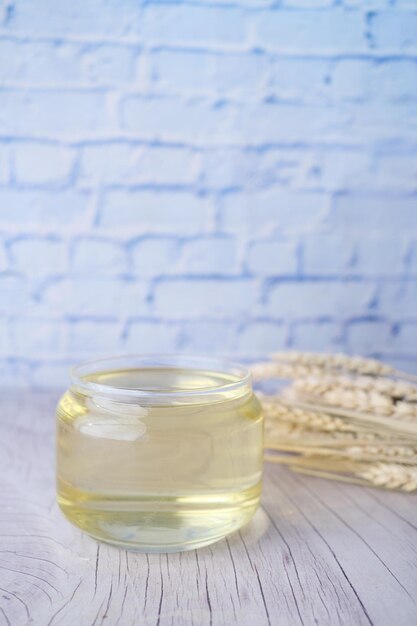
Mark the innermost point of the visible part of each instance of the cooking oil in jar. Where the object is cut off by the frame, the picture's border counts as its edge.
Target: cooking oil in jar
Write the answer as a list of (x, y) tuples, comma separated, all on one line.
[(174, 467)]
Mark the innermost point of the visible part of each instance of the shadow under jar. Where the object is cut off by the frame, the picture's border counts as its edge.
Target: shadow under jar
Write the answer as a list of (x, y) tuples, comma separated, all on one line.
[(159, 454)]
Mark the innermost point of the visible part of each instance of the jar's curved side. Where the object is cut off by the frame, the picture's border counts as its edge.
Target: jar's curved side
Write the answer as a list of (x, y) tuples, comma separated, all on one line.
[(157, 484)]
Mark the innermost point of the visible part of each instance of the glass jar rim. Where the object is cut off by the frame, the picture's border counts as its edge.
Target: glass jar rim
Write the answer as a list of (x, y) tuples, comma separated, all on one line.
[(241, 385)]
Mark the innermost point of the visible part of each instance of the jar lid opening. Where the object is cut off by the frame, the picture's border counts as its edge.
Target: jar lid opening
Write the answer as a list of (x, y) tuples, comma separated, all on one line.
[(162, 379)]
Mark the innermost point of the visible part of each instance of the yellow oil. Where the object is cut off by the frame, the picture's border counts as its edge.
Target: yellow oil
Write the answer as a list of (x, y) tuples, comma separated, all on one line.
[(167, 477)]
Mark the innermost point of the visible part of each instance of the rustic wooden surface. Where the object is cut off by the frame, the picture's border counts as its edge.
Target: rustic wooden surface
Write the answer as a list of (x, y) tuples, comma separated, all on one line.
[(318, 552)]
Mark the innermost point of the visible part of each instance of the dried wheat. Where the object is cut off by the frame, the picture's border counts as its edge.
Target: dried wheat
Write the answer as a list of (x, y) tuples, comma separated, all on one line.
[(385, 475), (390, 476), (360, 400), (391, 388), (275, 409), (344, 362), (262, 371), (345, 418)]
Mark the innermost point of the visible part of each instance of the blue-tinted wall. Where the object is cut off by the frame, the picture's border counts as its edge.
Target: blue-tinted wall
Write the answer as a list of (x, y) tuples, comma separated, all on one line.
[(230, 177)]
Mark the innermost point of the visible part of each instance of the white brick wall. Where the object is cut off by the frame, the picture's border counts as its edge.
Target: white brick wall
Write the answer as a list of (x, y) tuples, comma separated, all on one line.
[(215, 177)]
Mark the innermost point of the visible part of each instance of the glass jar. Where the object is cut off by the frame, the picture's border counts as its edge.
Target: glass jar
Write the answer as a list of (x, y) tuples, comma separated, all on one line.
[(159, 454)]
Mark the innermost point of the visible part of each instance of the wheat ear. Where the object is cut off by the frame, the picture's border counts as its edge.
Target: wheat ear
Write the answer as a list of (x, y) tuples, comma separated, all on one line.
[(330, 361), (333, 394)]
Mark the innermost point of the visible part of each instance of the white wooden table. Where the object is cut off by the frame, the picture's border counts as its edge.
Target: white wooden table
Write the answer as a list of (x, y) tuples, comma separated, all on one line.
[(317, 553)]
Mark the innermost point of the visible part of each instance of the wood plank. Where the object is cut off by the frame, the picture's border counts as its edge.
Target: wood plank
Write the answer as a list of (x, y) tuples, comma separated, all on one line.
[(317, 552)]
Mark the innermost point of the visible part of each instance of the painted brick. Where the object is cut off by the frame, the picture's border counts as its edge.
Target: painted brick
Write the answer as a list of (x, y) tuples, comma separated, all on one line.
[(170, 119), (209, 255), (15, 374), (402, 363), (223, 169), (275, 210), (368, 4), (240, 76), (98, 256), (273, 258), (125, 164), (325, 299), (404, 4), (111, 163), (95, 296), (49, 375), (62, 63), (369, 337), (373, 213), (294, 79), (395, 79), (396, 172), (341, 170), (272, 121), (108, 65), (404, 341), (394, 29), (154, 256), (15, 294), (351, 79), (42, 209), (209, 337), (41, 63), (43, 338), (356, 170), (5, 347), (181, 71), (288, 167), (181, 298), (393, 123), (308, 4), (147, 337), (328, 255), (175, 150), (96, 18), (259, 338), (167, 166), (333, 30), (391, 262), (51, 113), (94, 338), (4, 165), (4, 261), (42, 163), (399, 300), (317, 337), (39, 256), (12, 60), (390, 79), (141, 212), (413, 259), (197, 25)]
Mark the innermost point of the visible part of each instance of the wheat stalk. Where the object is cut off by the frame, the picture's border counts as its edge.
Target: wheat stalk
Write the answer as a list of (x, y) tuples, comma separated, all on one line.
[(397, 390), (379, 423), (331, 393), (391, 476), (262, 371), (344, 362), (404, 455), (275, 409), (296, 430), (346, 418), (341, 423), (386, 475)]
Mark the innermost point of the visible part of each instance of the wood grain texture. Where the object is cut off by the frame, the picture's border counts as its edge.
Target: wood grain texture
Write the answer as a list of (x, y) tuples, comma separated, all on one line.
[(317, 553)]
